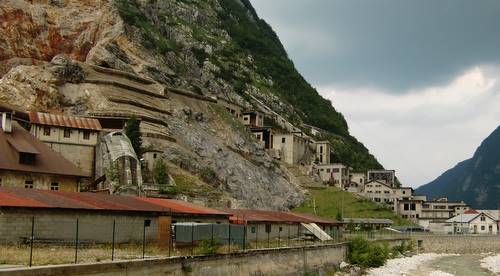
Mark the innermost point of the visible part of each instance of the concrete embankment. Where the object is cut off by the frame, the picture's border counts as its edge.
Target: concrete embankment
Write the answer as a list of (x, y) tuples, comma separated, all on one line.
[(276, 261), (273, 261)]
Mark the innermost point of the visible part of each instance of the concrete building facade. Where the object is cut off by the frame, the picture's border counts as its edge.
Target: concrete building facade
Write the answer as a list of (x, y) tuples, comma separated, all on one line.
[(253, 118), (75, 138), (334, 174), (292, 147), (26, 162), (323, 151)]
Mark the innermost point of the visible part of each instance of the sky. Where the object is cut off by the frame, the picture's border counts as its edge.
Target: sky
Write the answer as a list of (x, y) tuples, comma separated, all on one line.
[(417, 81)]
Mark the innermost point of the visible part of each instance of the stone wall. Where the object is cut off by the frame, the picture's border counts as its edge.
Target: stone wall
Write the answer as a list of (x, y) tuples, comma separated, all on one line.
[(459, 244), (279, 261)]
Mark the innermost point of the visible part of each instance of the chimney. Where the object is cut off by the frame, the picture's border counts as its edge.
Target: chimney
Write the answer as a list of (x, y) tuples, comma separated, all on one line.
[(6, 122)]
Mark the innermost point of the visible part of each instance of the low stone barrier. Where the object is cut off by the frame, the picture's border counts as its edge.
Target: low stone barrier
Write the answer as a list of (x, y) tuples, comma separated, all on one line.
[(275, 261), (459, 244)]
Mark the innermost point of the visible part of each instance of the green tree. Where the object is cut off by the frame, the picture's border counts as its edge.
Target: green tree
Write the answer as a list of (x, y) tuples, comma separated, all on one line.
[(133, 132), (160, 173)]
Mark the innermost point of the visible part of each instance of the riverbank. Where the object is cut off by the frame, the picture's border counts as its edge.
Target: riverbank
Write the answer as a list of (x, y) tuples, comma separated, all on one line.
[(434, 264), (405, 265)]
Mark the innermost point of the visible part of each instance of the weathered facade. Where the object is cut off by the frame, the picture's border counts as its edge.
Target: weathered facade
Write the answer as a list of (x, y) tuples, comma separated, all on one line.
[(55, 215), (118, 161), (253, 118), (75, 138), (292, 147), (26, 162), (386, 176), (334, 174), (323, 151)]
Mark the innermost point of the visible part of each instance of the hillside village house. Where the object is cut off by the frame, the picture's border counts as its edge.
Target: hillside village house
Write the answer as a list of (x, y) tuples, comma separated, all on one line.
[(386, 176), (472, 222), (265, 135), (323, 151), (253, 118), (292, 147), (231, 107), (75, 138), (357, 182), (335, 174), (26, 162)]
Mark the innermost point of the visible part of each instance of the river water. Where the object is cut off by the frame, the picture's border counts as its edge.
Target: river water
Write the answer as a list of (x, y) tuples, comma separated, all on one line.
[(459, 265)]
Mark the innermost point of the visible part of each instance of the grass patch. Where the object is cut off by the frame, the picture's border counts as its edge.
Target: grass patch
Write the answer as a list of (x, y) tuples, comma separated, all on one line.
[(329, 204)]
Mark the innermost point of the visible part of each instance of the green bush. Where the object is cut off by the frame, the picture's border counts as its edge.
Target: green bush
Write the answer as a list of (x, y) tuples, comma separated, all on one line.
[(404, 247), (160, 173), (209, 246), (132, 130), (367, 254)]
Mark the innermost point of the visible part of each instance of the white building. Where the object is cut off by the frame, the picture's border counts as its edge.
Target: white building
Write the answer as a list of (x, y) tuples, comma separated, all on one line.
[(323, 152), (335, 174), (472, 223), (291, 147)]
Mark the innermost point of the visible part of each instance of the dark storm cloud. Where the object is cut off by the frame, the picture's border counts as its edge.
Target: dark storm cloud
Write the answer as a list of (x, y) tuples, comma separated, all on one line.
[(394, 45)]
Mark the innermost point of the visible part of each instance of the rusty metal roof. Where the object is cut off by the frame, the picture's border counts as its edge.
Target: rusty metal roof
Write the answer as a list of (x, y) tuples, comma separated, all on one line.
[(242, 216), (40, 118), (183, 206), (33, 198), (46, 160)]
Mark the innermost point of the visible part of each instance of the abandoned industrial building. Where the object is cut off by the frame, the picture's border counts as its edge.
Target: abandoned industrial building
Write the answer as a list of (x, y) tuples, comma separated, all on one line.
[(29, 163)]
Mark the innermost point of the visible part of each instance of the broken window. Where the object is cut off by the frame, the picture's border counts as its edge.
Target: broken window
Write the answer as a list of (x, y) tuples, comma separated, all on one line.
[(46, 131), (54, 186)]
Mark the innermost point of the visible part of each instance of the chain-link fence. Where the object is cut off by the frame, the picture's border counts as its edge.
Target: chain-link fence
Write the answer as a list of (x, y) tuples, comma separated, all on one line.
[(43, 240)]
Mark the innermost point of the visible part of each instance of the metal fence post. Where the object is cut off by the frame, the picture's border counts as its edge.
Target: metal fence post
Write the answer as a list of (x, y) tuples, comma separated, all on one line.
[(257, 236), (212, 234), (76, 243), (143, 239), (113, 242), (192, 238), (32, 237), (229, 244), (170, 241), (268, 239), (244, 237), (288, 237), (279, 236)]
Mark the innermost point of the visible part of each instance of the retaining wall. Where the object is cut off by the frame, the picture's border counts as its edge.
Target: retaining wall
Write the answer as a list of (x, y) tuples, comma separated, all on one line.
[(460, 244), (277, 261)]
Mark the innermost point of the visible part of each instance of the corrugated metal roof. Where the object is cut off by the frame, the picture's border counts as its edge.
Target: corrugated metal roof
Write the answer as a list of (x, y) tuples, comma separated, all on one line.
[(242, 216), (368, 220), (183, 206), (33, 198), (40, 118), (46, 161)]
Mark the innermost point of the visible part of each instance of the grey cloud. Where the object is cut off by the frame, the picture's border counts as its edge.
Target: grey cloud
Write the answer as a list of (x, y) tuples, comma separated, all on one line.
[(394, 45)]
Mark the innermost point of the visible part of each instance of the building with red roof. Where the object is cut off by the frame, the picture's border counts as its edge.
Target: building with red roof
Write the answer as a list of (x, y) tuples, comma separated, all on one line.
[(276, 224), (55, 214), (29, 163), (72, 136)]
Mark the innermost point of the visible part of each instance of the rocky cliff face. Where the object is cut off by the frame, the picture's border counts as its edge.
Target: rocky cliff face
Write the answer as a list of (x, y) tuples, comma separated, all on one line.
[(49, 50)]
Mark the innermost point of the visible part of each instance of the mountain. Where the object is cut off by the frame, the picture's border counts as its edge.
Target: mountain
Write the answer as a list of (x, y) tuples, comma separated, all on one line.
[(475, 181), (91, 57)]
